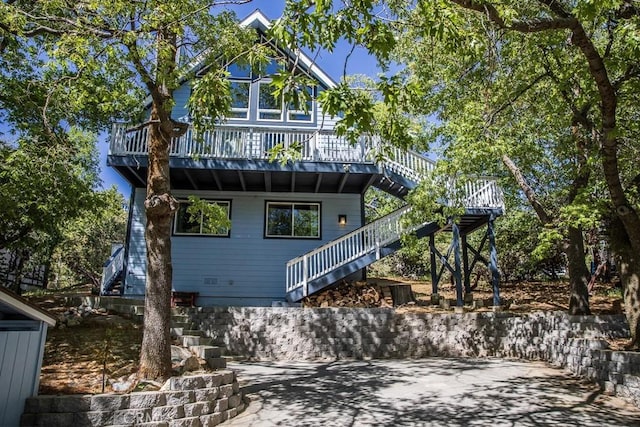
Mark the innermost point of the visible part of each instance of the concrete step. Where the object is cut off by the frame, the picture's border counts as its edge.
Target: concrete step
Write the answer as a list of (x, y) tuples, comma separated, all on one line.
[(216, 363), (181, 331), (192, 340), (180, 318), (206, 351)]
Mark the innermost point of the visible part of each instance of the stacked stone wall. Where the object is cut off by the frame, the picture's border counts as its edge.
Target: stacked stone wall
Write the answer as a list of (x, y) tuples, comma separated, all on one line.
[(189, 401), (576, 343)]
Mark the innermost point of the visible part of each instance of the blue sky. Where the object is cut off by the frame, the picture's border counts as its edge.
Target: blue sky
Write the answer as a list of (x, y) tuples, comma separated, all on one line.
[(332, 63)]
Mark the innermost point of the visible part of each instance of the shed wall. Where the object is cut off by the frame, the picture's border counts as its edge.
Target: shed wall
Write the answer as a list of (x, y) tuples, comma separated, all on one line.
[(20, 363)]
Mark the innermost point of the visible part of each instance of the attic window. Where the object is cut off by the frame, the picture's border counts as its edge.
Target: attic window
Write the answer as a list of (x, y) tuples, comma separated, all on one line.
[(302, 113), (269, 107), (240, 96)]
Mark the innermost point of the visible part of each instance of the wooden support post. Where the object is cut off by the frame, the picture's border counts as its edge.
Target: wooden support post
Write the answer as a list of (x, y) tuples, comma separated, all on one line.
[(457, 275), (434, 273), (466, 271), (493, 262)]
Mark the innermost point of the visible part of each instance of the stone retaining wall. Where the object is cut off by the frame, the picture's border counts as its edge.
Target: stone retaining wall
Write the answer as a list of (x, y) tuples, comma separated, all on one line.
[(576, 343), (193, 401)]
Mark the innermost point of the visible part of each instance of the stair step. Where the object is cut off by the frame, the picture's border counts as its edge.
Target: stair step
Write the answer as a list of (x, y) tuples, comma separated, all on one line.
[(180, 318), (206, 351), (192, 340), (216, 363)]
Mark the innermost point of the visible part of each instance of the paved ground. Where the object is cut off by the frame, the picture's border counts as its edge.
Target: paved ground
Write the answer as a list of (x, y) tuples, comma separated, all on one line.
[(424, 392)]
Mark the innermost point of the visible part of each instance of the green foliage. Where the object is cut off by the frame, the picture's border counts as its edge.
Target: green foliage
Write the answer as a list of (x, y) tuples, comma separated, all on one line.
[(44, 185), (215, 218), (85, 241)]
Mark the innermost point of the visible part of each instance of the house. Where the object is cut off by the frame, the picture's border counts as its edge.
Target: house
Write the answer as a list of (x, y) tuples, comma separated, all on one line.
[(23, 331), (296, 227)]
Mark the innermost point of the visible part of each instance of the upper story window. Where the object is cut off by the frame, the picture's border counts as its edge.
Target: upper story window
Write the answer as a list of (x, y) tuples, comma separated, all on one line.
[(240, 99), (185, 224), (302, 113), (269, 107), (292, 220), (252, 97)]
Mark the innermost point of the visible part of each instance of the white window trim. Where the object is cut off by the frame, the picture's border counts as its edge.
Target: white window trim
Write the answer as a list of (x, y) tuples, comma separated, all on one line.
[(201, 234), (311, 112), (292, 205), (247, 110), (266, 82)]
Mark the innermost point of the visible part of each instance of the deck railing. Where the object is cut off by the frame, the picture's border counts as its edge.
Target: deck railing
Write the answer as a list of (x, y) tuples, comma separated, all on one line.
[(244, 143), (112, 267), (482, 193), (365, 240)]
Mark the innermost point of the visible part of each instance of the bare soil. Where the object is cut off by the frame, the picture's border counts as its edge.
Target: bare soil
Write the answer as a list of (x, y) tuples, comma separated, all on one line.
[(81, 359)]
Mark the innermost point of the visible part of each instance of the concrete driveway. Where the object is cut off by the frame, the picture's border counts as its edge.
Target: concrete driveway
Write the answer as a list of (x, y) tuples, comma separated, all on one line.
[(423, 392)]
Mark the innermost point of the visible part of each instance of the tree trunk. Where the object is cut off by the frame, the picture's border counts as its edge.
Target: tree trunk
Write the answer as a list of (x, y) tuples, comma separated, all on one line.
[(628, 263), (155, 355), (578, 272)]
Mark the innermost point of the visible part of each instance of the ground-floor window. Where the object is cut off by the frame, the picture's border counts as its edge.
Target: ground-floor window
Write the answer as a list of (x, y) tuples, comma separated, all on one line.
[(293, 220), (200, 223)]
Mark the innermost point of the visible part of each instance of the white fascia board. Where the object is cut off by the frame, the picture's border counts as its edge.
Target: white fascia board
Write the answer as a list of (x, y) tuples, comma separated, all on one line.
[(26, 308)]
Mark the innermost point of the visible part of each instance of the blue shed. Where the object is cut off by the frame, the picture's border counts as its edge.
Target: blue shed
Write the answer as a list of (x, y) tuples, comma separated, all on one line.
[(23, 331)]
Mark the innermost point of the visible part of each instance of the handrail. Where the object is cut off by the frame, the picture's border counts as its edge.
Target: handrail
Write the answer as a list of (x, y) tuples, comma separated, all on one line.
[(251, 142), (111, 268), (367, 239)]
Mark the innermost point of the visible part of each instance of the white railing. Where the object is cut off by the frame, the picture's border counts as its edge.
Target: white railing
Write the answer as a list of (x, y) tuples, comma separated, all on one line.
[(316, 145), (112, 267), (409, 164), (244, 143), (365, 240)]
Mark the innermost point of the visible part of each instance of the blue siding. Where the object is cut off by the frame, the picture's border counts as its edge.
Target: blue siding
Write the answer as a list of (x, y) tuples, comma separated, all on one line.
[(137, 254), (246, 268), (181, 97)]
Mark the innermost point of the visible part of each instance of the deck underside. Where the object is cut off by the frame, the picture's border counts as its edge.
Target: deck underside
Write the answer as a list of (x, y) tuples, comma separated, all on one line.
[(261, 175)]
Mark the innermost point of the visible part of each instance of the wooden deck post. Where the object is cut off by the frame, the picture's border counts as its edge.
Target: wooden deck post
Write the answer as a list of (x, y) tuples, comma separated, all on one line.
[(434, 273), (465, 266), (493, 262), (457, 275)]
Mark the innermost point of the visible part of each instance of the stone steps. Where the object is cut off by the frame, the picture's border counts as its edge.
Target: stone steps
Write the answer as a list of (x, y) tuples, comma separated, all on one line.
[(196, 341)]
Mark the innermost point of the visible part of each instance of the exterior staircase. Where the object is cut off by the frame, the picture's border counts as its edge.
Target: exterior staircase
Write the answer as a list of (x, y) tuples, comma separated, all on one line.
[(182, 329), (403, 171), (112, 270)]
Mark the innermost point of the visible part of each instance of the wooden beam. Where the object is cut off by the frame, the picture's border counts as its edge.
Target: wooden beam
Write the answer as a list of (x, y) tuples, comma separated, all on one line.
[(466, 273), (434, 274), (343, 181), (369, 183), (267, 182), (242, 183), (216, 179), (457, 276), (493, 262), (190, 179), (135, 173), (318, 181), (293, 182)]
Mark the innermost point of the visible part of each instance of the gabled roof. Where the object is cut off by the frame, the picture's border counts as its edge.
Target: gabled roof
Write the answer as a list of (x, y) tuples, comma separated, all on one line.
[(10, 303), (259, 21)]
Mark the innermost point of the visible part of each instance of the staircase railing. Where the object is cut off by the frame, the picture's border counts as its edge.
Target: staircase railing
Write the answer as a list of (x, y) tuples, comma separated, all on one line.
[(409, 164), (111, 268), (365, 240)]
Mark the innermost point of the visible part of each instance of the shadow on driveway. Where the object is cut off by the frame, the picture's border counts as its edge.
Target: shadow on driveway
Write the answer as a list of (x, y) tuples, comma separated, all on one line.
[(423, 392)]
